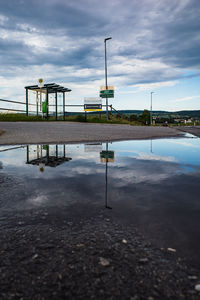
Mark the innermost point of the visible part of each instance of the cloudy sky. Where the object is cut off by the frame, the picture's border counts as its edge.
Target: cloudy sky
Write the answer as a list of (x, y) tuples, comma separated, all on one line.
[(155, 46)]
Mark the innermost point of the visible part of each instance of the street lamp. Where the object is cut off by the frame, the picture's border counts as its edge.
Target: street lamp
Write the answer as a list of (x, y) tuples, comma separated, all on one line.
[(151, 110), (106, 82)]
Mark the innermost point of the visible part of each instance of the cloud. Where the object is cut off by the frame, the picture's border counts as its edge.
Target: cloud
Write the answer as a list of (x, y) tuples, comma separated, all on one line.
[(185, 99), (154, 44)]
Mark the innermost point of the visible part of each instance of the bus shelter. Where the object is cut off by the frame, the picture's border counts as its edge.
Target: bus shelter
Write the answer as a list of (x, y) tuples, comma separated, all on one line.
[(46, 100)]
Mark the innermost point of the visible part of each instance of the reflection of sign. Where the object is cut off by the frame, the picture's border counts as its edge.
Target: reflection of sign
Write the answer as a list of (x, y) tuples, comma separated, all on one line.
[(40, 83), (107, 92), (97, 147), (92, 104), (107, 156)]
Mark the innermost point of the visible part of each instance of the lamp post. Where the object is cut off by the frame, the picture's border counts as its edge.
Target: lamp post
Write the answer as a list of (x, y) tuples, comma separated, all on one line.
[(151, 110), (106, 82)]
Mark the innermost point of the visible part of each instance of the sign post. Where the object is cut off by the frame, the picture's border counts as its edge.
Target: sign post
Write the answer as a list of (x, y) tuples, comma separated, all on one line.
[(40, 85), (106, 92)]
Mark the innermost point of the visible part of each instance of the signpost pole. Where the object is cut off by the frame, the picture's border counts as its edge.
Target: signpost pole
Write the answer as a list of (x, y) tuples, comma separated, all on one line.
[(106, 82)]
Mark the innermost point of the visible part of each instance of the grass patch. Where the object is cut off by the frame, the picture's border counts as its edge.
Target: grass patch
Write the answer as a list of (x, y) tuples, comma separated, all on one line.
[(77, 118), (18, 118)]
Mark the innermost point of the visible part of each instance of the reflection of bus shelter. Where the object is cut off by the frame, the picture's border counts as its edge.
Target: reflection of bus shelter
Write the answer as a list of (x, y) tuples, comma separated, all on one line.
[(42, 102), (47, 155)]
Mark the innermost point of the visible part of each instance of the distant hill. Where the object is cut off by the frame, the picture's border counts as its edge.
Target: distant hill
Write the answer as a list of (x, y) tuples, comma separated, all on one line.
[(157, 113)]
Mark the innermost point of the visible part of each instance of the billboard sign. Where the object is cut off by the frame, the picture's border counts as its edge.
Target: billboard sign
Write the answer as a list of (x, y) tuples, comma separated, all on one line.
[(93, 104)]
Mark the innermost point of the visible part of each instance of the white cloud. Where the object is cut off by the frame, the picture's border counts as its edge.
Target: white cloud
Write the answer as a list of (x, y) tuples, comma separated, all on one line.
[(3, 19), (155, 85), (185, 99)]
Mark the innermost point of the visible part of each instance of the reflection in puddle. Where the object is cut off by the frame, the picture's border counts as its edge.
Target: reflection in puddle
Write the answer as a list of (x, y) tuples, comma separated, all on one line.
[(151, 184), (46, 155)]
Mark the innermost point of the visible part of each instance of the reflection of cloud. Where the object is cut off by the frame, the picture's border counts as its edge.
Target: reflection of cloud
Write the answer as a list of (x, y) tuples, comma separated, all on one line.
[(137, 172), (39, 199), (185, 143), (150, 156)]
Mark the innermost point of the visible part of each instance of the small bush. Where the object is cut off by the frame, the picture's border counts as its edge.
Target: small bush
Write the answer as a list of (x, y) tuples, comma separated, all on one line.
[(80, 118)]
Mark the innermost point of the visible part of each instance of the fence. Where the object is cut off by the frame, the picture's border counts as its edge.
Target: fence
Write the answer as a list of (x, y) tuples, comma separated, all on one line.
[(61, 114), (13, 109)]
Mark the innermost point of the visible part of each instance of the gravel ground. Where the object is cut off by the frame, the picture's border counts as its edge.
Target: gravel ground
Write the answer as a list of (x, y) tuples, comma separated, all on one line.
[(49, 255), (67, 132)]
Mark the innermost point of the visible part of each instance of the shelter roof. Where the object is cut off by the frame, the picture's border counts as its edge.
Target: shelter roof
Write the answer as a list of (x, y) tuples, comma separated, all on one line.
[(51, 87)]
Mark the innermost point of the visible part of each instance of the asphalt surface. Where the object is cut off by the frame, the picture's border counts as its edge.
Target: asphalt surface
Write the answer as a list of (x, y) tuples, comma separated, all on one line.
[(50, 254), (78, 253), (67, 132), (195, 130)]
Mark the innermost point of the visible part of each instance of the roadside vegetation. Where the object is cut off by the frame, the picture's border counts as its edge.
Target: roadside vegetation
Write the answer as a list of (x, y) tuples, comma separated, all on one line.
[(133, 119)]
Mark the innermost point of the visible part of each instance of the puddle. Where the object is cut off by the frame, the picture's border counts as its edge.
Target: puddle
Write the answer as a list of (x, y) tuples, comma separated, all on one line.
[(152, 184)]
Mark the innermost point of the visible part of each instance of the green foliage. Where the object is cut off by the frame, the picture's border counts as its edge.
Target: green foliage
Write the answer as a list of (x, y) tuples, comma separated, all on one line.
[(133, 117), (91, 118), (80, 118), (18, 117), (145, 117)]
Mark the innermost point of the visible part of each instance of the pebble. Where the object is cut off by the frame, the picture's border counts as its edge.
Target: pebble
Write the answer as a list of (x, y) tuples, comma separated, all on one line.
[(104, 262), (143, 260), (197, 287), (192, 277), (171, 249), (124, 241), (80, 245)]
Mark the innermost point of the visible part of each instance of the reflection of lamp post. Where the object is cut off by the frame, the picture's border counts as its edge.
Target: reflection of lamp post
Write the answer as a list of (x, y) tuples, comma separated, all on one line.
[(106, 76), (151, 110), (106, 191)]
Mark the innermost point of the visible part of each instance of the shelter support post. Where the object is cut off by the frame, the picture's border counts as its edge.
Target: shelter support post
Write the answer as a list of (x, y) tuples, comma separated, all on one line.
[(56, 94), (26, 101), (37, 102), (63, 106), (47, 101)]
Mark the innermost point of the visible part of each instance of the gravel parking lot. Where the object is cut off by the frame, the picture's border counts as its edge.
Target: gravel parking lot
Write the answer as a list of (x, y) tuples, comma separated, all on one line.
[(65, 132)]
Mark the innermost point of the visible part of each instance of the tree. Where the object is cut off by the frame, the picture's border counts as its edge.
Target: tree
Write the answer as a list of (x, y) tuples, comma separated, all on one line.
[(145, 117), (133, 117)]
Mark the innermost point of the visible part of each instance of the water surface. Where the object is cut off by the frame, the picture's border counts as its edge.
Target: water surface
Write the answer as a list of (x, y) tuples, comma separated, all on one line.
[(151, 184)]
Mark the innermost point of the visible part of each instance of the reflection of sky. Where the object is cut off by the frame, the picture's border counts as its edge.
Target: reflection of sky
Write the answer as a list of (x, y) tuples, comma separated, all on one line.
[(181, 150), (180, 155), (153, 182)]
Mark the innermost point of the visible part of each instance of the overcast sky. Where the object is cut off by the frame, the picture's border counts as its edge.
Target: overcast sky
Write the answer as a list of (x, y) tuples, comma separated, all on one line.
[(155, 46)]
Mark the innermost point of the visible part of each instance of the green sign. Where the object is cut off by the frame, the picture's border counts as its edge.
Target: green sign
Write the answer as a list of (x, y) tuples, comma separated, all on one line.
[(106, 92), (107, 96), (44, 106)]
